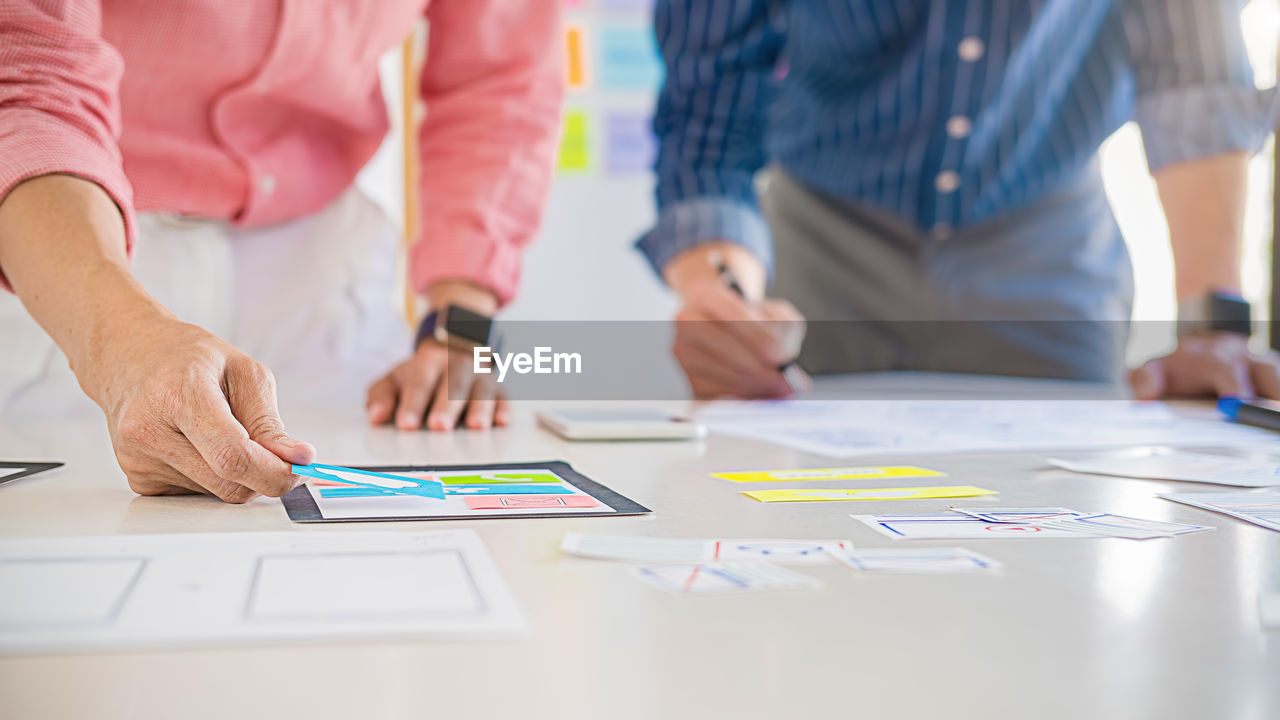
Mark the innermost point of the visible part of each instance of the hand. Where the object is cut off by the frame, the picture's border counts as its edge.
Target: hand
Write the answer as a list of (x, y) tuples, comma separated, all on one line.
[(729, 346), (1207, 365), (438, 382), (189, 413)]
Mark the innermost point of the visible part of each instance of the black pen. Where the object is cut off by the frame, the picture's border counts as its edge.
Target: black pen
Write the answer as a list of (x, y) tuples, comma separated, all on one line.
[(790, 371)]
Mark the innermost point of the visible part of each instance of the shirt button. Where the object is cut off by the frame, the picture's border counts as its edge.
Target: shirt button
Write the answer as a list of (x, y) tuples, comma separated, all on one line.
[(267, 185), (972, 49), (947, 182), (942, 231), (959, 127)]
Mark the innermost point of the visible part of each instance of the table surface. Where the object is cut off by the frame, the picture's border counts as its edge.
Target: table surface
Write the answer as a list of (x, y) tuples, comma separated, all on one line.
[(1071, 629)]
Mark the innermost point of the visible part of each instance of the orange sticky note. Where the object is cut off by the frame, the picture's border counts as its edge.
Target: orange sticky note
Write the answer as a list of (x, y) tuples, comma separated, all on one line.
[(575, 57)]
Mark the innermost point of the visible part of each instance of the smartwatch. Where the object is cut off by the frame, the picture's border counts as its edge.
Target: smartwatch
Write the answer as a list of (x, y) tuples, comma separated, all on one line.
[(456, 327), (1215, 312)]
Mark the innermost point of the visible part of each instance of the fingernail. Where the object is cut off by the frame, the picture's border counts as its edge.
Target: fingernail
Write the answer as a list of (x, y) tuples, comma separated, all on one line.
[(408, 421)]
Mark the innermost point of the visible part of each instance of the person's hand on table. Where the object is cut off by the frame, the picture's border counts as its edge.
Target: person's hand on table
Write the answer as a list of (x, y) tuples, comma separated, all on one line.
[(1217, 364), (436, 387), (728, 345), (188, 413)]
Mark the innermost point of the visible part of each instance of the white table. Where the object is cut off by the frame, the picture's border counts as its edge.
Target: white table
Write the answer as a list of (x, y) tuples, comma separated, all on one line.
[(1071, 629)]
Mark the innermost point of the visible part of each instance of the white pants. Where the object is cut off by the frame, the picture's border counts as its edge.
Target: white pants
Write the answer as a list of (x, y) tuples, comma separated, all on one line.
[(313, 299)]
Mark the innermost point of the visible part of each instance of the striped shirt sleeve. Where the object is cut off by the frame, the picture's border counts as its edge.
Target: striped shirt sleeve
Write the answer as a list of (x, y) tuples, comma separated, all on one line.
[(59, 110), (720, 57), (1195, 88)]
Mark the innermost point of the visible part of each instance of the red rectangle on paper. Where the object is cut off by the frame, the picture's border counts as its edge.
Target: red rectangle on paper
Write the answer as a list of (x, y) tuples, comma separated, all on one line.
[(540, 502)]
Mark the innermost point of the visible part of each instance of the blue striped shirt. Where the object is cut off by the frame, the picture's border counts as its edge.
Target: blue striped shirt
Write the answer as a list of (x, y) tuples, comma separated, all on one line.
[(944, 112)]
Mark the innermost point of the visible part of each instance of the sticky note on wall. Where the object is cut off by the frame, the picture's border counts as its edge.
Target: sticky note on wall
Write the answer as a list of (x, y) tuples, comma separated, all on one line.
[(575, 142), (629, 58), (627, 5), (575, 57), (629, 144)]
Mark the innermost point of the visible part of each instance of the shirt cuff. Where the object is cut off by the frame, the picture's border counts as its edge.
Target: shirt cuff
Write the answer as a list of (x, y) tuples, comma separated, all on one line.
[(688, 223), (1200, 122), (29, 149), (472, 256)]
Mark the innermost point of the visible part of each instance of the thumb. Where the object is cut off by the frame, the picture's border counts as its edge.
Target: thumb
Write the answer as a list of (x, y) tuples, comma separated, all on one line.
[(251, 393), (1148, 381)]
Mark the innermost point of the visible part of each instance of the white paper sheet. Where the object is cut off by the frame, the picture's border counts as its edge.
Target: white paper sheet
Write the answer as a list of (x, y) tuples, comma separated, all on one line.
[(955, 526), (725, 577), (133, 591), (1258, 507), (634, 548), (851, 428), (1170, 464), (925, 561), (1269, 611)]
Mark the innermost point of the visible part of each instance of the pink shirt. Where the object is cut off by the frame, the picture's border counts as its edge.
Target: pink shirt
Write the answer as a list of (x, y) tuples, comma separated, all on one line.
[(259, 112)]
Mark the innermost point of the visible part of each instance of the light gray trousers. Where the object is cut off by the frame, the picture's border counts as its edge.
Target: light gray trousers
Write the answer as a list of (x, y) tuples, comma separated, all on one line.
[(1045, 291)]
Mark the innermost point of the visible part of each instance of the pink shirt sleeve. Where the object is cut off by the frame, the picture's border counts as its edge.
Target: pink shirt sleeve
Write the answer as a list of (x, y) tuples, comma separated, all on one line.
[(59, 111), (493, 85)]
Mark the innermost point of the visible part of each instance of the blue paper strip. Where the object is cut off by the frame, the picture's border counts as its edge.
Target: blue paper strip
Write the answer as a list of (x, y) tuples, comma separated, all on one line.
[(421, 488)]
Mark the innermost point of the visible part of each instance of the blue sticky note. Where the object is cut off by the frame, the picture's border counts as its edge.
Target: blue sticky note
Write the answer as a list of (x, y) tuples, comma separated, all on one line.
[(399, 485), (505, 489), (629, 59), (629, 144)]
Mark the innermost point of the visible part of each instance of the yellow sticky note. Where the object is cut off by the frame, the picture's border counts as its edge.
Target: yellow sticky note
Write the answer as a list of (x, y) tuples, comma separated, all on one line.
[(845, 473), (575, 143), (911, 493)]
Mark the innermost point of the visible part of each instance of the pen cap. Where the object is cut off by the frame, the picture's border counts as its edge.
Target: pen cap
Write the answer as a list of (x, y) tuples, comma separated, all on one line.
[(1230, 406)]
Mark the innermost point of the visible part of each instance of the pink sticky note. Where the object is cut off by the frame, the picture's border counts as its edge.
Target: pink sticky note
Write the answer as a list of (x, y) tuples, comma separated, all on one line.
[(541, 502)]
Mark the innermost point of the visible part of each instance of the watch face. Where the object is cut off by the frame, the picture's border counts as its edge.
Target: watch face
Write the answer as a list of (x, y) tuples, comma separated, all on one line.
[(468, 325)]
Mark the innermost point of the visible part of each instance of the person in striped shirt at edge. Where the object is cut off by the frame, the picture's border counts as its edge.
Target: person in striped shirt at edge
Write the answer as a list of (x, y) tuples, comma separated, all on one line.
[(933, 198), (218, 142)]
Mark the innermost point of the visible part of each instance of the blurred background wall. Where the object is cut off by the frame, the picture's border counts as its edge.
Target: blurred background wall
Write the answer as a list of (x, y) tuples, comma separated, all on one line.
[(583, 266)]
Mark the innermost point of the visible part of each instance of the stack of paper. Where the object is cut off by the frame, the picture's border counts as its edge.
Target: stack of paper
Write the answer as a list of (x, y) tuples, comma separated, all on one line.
[(1259, 508), (1171, 464), (963, 523), (848, 428)]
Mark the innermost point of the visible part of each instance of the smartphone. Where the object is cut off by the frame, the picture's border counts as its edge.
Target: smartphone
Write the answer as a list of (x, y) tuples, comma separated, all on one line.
[(620, 424)]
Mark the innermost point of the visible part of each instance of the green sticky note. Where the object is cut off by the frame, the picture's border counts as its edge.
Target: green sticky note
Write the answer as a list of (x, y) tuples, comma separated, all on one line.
[(499, 478), (575, 142)]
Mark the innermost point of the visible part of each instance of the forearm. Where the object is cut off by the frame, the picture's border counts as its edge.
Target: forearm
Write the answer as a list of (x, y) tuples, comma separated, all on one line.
[(1204, 202), (463, 293), (62, 248)]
